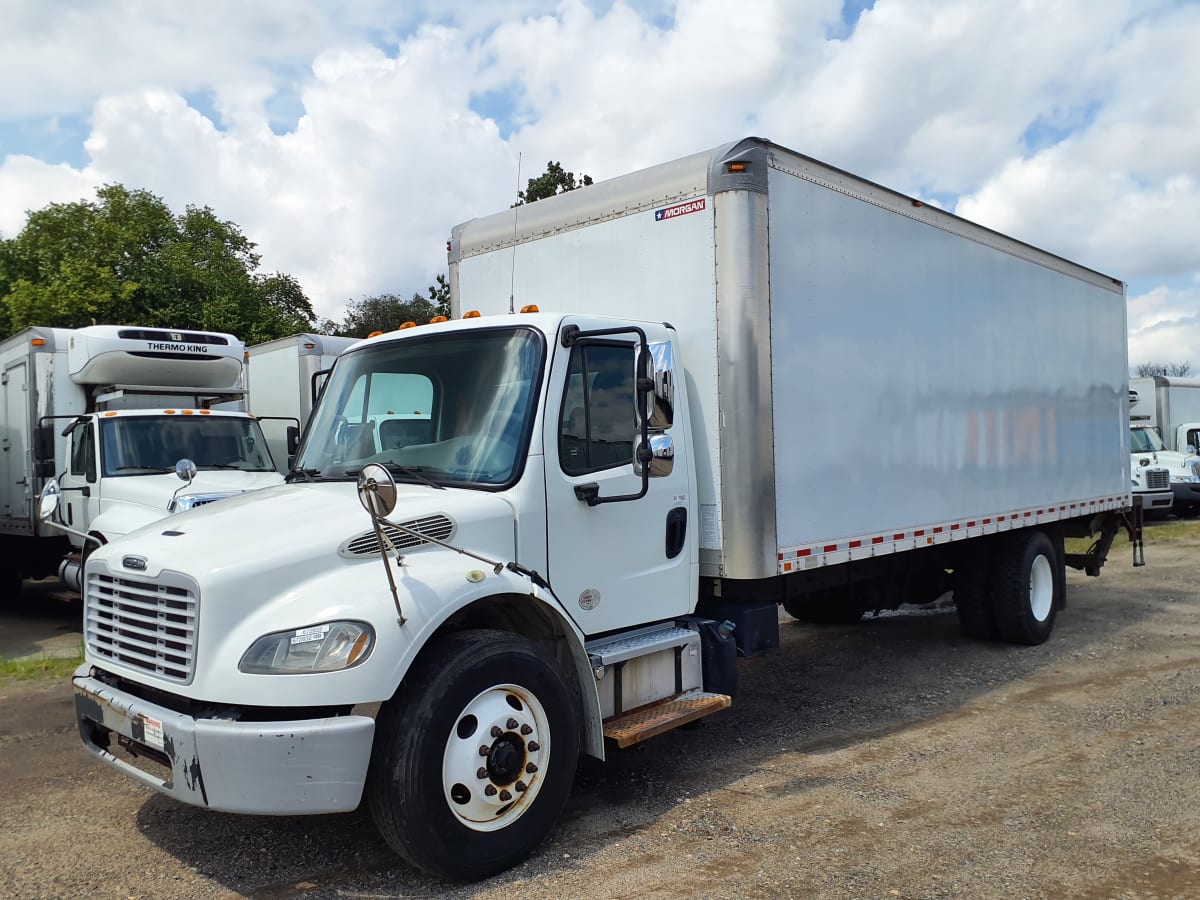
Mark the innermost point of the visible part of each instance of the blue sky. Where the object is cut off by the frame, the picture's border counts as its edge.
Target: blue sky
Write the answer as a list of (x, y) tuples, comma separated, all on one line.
[(347, 138)]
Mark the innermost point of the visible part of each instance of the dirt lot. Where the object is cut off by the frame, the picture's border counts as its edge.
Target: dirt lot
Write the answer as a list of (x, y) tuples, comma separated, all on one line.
[(890, 759)]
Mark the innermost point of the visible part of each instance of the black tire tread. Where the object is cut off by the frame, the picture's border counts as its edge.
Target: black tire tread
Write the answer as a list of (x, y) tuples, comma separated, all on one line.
[(1010, 587)]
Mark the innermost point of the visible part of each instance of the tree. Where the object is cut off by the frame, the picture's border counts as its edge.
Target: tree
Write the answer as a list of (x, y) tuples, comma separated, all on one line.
[(384, 312), (127, 259), (1174, 369), (553, 181)]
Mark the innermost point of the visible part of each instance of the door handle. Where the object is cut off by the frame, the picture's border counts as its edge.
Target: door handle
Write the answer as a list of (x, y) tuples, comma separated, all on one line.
[(676, 530)]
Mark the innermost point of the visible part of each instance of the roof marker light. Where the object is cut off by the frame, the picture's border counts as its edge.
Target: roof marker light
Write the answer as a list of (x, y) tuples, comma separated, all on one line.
[(472, 314), (530, 308), (374, 334), (407, 325), (437, 319)]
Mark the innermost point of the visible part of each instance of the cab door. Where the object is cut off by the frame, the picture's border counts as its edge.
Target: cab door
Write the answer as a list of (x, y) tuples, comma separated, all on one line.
[(80, 483), (623, 559)]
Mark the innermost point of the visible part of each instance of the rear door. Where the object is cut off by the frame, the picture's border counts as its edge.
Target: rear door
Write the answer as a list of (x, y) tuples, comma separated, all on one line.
[(15, 442)]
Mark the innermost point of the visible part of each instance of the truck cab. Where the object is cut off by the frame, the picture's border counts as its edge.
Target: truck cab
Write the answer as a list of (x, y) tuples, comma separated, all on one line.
[(1166, 480)]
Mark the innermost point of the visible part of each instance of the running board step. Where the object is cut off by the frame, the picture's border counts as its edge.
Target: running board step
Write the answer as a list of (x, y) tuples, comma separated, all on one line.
[(649, 721)]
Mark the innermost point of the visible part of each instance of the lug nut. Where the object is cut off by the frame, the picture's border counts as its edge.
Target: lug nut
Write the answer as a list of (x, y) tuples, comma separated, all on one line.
[(490, 790), (520, 786), (481, 772), (496, 732), (505, 796), (511, 723), (525, 729), (531, 768), (484, 749), (534, 746)]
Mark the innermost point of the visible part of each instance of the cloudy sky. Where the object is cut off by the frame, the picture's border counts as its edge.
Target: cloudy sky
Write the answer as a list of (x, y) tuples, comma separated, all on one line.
[(347, 138)]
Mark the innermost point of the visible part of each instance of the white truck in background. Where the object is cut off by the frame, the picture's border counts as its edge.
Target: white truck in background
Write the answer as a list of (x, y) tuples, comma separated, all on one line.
[(1164, 418), (114, 409), (282, 382), (580, 516)]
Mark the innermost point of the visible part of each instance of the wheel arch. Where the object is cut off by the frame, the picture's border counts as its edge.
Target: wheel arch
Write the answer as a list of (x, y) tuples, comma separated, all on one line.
[(538, 620)]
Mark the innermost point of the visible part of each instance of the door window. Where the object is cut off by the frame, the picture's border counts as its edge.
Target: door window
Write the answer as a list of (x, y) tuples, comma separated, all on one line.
[(597, 424), (83, 453)]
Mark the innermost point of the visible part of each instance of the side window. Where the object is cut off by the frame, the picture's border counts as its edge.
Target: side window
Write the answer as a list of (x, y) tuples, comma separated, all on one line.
[(596, 425), (83, 453)]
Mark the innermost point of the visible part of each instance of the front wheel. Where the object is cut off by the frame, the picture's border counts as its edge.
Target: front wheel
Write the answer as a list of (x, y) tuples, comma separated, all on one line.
[(474, 758)]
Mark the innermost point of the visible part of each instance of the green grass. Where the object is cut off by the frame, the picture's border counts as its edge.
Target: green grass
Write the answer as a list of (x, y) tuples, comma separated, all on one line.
[(39, 667)]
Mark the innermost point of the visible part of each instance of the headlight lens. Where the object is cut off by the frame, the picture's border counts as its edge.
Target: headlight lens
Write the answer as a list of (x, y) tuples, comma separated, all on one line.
[(327, 647)]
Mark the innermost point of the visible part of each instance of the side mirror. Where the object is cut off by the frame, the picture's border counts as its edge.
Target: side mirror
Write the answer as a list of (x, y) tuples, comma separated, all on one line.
[(43, 444), (661, 457), (185, 470), (658, 402), (377, 490), (293, 440), (48, 501)]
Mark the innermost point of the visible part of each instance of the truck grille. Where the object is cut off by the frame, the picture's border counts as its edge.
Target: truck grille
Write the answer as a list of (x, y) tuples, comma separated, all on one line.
[(1158, 479), (145, 625), (439, 527)]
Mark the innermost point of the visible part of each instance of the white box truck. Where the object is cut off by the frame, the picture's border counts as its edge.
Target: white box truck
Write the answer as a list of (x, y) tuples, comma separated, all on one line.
[(755, 380), (1165, 429), (282, 381), (113, 409)]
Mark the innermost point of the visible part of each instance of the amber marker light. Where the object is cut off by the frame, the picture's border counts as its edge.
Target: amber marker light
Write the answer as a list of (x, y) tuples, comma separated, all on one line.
[(407, 325), (736, 167), (531, 308), (113, 413), (310, 346), (374, 334), (38, 342), (437, 319), (473, 314)]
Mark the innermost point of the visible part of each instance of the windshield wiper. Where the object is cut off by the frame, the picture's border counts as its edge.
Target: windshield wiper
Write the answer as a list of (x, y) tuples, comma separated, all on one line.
[(302, 474), (395, 468)]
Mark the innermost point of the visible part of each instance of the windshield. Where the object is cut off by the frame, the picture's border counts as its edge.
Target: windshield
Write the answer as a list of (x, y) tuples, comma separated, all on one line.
[(144, 445), (1144, 440), (455, 407)]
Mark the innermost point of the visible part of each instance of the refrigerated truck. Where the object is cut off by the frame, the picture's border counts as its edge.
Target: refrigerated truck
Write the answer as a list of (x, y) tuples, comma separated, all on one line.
[(283, 377), (733, 381), (111, 410), (1165, 422)]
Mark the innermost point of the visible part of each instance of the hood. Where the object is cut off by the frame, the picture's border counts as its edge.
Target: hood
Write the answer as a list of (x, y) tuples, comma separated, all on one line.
[(296, 531)]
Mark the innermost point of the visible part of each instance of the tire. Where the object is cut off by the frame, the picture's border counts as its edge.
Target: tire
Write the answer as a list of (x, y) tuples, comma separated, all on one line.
[(1028, 588), (816, 612), (972, 597), (474, 758)]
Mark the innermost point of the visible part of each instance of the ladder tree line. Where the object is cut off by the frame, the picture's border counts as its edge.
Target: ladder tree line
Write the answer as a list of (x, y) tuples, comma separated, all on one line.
[(125, 258)]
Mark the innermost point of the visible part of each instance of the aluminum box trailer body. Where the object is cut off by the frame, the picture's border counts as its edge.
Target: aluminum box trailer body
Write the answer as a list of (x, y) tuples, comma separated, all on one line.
[(514, 537), (867, 373), (1165, 426), (280, 383), (103, 406)]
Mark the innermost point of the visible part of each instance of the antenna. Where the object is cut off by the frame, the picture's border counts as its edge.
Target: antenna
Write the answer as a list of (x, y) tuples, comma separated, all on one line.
[(512, 268)]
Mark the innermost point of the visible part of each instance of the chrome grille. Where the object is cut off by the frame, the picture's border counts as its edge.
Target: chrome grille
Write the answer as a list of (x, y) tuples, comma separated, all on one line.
[(145, 625), (438, 527), (1158, 479)]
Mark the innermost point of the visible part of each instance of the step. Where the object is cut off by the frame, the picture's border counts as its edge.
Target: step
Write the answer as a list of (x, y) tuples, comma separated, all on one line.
[(640, 724), (609, 651)]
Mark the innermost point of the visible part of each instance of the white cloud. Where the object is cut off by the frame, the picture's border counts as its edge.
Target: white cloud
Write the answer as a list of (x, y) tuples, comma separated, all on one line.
[(1164, 327), (1068, 124)]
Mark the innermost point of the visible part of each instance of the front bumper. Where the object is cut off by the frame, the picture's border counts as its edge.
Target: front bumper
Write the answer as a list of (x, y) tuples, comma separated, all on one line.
[(308, 766), (1155, 499)]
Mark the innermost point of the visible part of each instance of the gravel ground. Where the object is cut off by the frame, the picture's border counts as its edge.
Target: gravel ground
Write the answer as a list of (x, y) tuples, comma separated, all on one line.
[(889, 759)]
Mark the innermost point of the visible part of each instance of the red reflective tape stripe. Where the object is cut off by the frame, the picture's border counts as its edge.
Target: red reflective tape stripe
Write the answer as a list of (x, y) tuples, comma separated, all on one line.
[(954, 527), (803, 552), (876, 540), (987, 521), (897, 537), (829, 548), (937, 530), (854, 544)]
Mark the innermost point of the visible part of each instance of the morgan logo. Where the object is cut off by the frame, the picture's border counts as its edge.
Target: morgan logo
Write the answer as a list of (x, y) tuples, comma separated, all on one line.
[(137, 563), (679, 209)]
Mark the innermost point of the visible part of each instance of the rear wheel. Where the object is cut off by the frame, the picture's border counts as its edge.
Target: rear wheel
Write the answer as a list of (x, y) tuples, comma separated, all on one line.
[(474, 759), (1028, 587), (972, 596)]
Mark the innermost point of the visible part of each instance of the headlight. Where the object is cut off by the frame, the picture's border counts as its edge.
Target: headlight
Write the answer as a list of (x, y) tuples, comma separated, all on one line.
[(318, 648), (1183, 478)]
